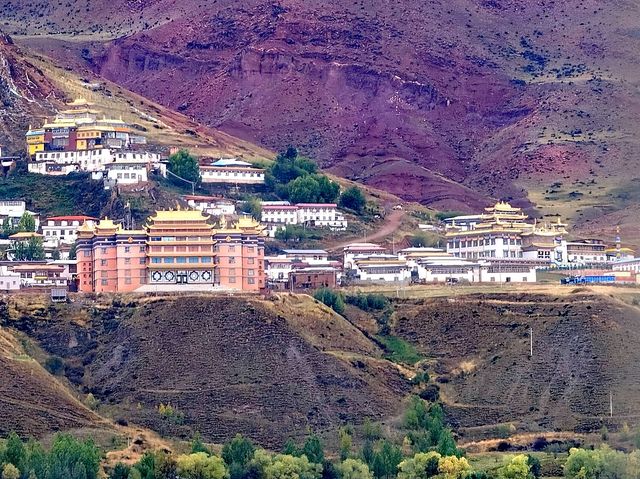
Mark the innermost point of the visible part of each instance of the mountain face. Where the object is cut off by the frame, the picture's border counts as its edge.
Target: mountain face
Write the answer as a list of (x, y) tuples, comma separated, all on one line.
[(25, 95), (449, 103)]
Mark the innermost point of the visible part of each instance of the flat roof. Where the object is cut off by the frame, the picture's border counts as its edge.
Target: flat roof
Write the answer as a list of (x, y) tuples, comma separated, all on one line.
[(316, 205), (71, 218), (305, 251)]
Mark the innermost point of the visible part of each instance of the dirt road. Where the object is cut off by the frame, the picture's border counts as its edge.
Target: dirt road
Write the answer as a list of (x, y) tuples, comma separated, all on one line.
[(391, 223)]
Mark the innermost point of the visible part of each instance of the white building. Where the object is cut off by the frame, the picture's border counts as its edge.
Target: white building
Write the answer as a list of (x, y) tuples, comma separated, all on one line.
[(9, 280), (65, 162), (278, 268), (40, 275), (631, 264), (13, 211), (446, 269), (212, 205), (321, 214), (63, 229), (232, 171), (353, 250), (509, 271), (381, 269), (277, 215), (309, 256)]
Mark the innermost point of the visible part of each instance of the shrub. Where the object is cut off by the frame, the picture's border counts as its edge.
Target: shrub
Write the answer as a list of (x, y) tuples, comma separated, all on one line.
[(330, 298), (368, 302), (55, 365)]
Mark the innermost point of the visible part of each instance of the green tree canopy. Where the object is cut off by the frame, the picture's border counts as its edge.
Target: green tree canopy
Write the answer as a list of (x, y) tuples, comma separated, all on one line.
[(352, 198), (517, 467), (31, 249), (283, 466), (354, 469), (330, 298), (9, 471), (185, 166), (201, 466), (423, 465), (27, 222), (73, 459), (237, 454)]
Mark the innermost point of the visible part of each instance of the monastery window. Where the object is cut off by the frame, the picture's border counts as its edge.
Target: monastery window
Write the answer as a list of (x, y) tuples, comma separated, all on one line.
[(193, 259), (250, 260), (251, 272), (103, 262), (127, 280), (127, 261), (87, 254), (493, 241), (156, 260), (168, 260), (232, 259), (251, 281), (103, 274), (142, 249), (232, 279), (206, 259), (104, 282), (127, 249), (481, 242), (143, 260), (181, 259)]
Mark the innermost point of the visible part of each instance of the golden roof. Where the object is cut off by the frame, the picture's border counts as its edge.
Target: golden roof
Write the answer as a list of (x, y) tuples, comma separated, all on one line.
[(25, 235), (179, 215), (106, 224), (79, 102)]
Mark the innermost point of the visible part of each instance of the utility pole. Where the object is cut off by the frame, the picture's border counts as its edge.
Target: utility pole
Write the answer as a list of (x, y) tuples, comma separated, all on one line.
[(610, 404)]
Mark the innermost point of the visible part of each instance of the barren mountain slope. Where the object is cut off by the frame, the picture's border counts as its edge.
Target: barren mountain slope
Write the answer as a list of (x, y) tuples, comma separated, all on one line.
[(584, 347), (228, 365), (442, 102)]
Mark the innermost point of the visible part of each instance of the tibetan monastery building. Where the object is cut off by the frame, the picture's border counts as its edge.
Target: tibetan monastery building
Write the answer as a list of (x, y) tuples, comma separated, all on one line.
[(176, 251)]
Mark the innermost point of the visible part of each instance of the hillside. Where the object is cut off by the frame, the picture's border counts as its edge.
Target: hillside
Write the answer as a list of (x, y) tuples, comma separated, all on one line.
[(31, 400), (226, 365), (447, 103), (585, 347)]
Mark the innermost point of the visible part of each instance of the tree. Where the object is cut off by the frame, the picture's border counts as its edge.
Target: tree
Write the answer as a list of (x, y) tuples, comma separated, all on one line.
[(185, 166), (386, 459), (73, 459), (14, 452), (9, 471), (73, 251), (354, 469), (237, 454), (197, 445), (516, 468), (534, 466), (27, 222), (120, 471), (201, 466), (328, 190), (353, 199), (346, 441), (29, 250), (282, 466), (253, 206), (423, 465), (7, 228), (452, 467), (304, 189), (312, 448), (330, 298), (55, 254), (36, 459)]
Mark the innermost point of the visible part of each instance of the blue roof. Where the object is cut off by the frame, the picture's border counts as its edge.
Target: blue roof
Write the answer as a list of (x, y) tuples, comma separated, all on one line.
[(230, 162)]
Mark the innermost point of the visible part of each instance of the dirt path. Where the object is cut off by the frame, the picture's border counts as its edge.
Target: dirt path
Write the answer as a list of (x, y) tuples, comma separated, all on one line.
[(391, 223)]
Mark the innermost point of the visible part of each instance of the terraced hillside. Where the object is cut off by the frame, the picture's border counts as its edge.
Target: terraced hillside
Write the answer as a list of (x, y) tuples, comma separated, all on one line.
[(225, 365), (32, 401), (584, 347)]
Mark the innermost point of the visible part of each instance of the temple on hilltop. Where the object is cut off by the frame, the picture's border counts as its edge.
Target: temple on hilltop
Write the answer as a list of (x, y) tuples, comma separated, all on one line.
[(502, 231), (177, 250), (79, 138)]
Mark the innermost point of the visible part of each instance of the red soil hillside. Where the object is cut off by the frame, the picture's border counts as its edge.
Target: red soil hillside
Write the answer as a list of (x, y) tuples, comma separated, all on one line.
[(444, 102), (26, 95)]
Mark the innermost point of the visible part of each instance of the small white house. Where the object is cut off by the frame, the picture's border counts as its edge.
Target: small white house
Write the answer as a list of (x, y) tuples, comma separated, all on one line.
[(321, 214), (353, 250), (211, 205), (9, 280), (509, 271), (381, 269)]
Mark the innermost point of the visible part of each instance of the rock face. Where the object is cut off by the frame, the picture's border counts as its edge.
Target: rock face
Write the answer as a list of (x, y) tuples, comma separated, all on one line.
[(25, 94), (444, 102)]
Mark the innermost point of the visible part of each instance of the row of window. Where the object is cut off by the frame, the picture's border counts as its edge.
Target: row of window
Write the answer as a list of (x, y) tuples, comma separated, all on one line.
[(182, 260), (482, 242)]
